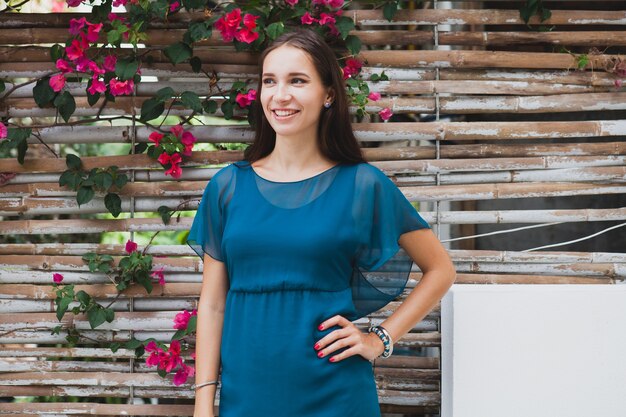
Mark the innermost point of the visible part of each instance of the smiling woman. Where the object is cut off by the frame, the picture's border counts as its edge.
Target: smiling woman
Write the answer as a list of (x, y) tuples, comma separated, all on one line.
[(288, 236)]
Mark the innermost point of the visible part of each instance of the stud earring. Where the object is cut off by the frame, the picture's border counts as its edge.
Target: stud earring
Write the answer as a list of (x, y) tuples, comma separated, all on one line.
[(327, 105)]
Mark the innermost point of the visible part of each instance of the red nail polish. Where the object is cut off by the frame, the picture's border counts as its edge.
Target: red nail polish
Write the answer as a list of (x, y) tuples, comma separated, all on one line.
[(320, 327), (320, 354), (332, 359), (317, 346)]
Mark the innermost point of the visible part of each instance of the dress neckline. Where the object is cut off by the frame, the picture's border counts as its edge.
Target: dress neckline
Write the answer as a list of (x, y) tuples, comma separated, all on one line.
[(295, 182)]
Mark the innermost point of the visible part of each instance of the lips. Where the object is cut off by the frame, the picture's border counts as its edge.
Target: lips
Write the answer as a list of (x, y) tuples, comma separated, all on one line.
[(284, 113)]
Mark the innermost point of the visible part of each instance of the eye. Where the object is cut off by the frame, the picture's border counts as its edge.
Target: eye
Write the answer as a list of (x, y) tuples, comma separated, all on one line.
[(268, 81), (298, 81)]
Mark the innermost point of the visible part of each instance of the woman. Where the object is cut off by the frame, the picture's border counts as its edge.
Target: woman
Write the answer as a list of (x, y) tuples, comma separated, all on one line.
[(290, 237)]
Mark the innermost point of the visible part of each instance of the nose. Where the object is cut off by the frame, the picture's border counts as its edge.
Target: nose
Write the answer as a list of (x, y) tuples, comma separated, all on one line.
[(282, 92)]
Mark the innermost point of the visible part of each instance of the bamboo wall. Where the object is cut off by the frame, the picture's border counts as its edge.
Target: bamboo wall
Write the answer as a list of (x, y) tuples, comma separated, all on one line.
[(451, 71)]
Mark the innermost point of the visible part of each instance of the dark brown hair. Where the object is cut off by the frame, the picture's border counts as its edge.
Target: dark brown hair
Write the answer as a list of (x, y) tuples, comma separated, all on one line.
[(335, 137)]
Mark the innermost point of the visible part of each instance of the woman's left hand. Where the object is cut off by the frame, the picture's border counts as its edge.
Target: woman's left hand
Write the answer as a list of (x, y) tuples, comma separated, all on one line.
[(367, 345)]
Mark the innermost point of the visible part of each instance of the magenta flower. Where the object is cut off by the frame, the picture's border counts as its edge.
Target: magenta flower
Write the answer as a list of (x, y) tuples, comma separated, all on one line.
[(152, 347), (76, 25), (119, 88), (93, 31), (97, 86), (174, 6), (3, 131), (175, 171), (228, 24), (109, 63), (373, 96), (352, 67), (57, 82), (164, 158), (177, 130), (307, 19), (385, 114), (57, 278), (117, 3), (130, 246), (291, 2), (188, 140), (156, 138), (181, 320), (326, 19), (75, 50), (64, 66), (183, 374), (244, 100), (246, 35), (73, 3)]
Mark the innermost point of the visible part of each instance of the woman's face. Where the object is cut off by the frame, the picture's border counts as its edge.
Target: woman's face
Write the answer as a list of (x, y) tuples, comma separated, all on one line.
[(292, 93)]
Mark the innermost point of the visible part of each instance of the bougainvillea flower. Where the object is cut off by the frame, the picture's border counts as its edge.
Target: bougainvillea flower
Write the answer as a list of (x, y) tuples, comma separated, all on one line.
[(3, 131), (385, 114), (177, 130), (181, 320), (109, 63), (326, 19), (152, 347), (188, 140), (119, 88), (352, 67), (373, 96), (97, 86), (244, 100), (291, 2), (228, 24), (76, 25), (57, 82), (158, 274), (64, 66), (174, 6), (57, 278), (175, 171), (245, 35), (117, 3), (93, 31), (130, 246), (73, 3), (183, 374), (307, 19), (164, 158), (75, 50), (249, 21), (156, 138)]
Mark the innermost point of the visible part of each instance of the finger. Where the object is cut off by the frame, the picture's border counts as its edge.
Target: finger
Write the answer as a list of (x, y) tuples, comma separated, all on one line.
[(343, 355), (336, 345), (337, 319), (331, 337)]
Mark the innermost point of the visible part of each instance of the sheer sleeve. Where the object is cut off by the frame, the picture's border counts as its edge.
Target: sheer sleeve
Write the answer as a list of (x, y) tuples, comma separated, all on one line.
[(205, 235), (381, 267)]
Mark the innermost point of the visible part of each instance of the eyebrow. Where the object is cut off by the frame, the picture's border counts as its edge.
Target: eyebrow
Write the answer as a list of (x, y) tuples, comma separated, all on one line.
[(269, 74)]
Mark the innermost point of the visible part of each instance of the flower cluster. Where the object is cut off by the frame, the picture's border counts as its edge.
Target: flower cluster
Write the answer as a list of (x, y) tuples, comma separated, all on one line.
[(325, 19), (169, 360), (169, 149), (352, 68), (244, 100), (230, 27), (77, 60), (3, 131)]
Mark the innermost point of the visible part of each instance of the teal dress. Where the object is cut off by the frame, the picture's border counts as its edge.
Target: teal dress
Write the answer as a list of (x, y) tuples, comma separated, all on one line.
[(298, 253)]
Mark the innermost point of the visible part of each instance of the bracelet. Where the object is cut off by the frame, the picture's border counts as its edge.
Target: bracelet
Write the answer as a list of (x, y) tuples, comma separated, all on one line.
[(194, 386), (384, 335)]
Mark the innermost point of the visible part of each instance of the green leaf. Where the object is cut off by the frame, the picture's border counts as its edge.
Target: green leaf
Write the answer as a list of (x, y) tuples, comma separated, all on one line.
[(275, 29), (191, 101), (179, 334), (83, 297), (56, 52), (145, 281), (113, 203), (210, 106), (115, 346), (107, 180), (165, 213), (125, 69), (90, 256), (227, 109), (194, 4), (84, 195), (164, 93), (66, 105), (178, 52), (120, 181), (196, 64), (2, 86), (109, 315), (390, 9), (344, 25), (114, 36), (133, 344), (151, 109), (22, 147), (96, 316), (139, 148), (199, 30), (104, 268), (62, 307), (42, 92), (68, 178), (353, 43), (72, 161), (191, 324)]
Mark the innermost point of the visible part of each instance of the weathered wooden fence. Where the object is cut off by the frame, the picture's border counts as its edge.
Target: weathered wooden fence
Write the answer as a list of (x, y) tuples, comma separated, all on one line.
[(455, 69)]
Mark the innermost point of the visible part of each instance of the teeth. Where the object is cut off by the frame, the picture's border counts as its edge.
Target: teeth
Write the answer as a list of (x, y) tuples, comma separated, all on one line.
[(283, 113)]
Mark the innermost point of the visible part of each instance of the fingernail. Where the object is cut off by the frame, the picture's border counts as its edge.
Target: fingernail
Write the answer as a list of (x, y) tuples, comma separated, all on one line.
[(317, 346), (321, 327), (320, 354), (332, 359)]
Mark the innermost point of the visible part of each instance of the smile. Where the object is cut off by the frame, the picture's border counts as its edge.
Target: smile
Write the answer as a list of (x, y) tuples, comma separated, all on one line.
[(284, 114)]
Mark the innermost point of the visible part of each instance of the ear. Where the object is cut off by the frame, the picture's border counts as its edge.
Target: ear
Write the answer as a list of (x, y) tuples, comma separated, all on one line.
[(330, 95)]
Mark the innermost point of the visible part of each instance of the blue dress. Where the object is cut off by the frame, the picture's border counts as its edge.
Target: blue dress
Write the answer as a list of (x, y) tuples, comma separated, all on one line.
[(298, 253)]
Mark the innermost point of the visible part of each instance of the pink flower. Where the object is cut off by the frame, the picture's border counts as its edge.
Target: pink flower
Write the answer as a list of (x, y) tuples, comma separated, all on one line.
[(177, 130), (93, 31), (385, 114), (156, 138), (97, 86), (335, 4), (291, 2), (373, 96), (75, 50), (307, 19), (57, 278), (119, 88), (76, 25), (174, 348), (244, 100), (181, 320), (228, 24), (64, 66), (114, 16), (618, 83), (183, 374), (73, 3), (3, 131), (188, 140), (152, 347), (326, 18), (153, 359), (249, 21), (159, 274), (174, 6), (175, 171), (57, 82), (246, 35), (109, 63), (352, 67), (130, 246), (117, 3), (164, 158)]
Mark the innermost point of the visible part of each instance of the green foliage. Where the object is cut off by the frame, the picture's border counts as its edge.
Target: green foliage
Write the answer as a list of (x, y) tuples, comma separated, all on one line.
[(532, 8), (178, 52), (17, 138)]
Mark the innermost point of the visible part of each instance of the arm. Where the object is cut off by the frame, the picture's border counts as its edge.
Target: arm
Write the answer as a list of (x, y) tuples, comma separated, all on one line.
[(209, 333), (438, 276)]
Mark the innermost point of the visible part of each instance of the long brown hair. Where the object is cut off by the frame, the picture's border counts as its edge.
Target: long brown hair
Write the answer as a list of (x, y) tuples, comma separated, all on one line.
[(335, 137)]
